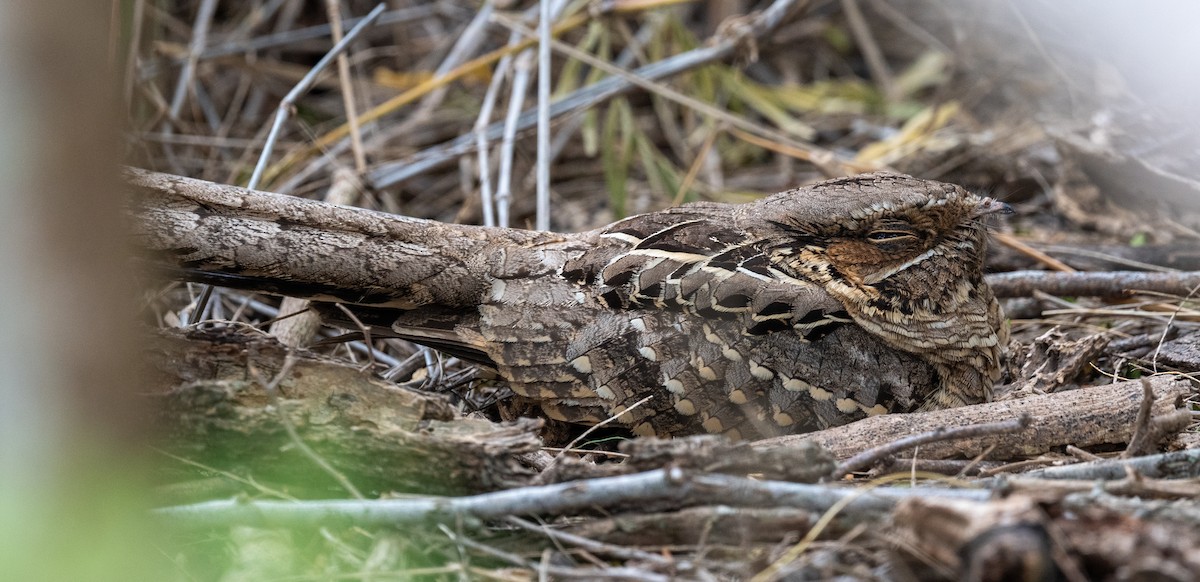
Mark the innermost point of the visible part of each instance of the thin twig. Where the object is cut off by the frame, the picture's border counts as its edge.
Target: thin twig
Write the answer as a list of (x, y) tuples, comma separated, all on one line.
[(1167, 328), (465, 45), (1018, 245), (631, 51), (976, 461), (594, 428), (273, 312), (522, 64), (815, 157), (1018, 466), (694, 170), (1141, 424), (298, 35), (481, 123), (136, 23), (1107, 257), (871, 456), (594, 574), (591, 545), (1189, 315), (1082, 455), (542, 219), (374, 114), (366, 332), (772, 571), (204, 17), (1036, 41), (289, 100), (520, 83), (871, 53), (248, 481), (343, 64), (201, 305), (602, 453), (902, 22)]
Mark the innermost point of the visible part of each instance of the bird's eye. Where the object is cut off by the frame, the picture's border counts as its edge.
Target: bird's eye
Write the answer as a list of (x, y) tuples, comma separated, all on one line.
[(885, 235)]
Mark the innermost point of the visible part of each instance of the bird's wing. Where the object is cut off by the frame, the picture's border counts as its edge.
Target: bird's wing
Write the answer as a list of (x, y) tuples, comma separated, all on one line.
[(697, 260)]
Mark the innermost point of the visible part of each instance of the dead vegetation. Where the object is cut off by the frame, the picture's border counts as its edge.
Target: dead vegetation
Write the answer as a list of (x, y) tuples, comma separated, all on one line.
[(322, 462)]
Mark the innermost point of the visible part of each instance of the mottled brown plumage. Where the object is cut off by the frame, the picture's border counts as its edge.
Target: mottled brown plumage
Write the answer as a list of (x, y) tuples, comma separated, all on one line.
[(809, 308)]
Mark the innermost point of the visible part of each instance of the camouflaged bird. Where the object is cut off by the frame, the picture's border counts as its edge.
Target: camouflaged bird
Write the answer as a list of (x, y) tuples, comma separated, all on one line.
[(809, 308)]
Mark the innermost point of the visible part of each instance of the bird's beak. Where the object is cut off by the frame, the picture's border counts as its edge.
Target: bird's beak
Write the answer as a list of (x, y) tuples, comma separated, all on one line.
[(992, 206)]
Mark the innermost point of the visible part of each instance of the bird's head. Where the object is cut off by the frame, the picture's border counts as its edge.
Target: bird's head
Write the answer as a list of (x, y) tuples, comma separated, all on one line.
[(905, 258), (884, 241)]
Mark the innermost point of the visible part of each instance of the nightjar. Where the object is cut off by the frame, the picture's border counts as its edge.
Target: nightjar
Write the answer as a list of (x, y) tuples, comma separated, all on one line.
[(809, 308)]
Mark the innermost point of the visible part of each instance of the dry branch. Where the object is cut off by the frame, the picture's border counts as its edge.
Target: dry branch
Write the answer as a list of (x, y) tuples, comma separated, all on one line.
[(662, 487), (1185, 511), (1174, 465), (381, 436), (1104, 284), (1084, 417)]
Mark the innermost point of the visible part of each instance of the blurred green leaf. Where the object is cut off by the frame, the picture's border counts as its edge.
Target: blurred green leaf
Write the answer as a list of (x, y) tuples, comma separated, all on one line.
[(838, 38), (589, 133), (663, 176), (571, 76), (851, 96), (616, 149), (921, 132), (929, 70), (766, 103)]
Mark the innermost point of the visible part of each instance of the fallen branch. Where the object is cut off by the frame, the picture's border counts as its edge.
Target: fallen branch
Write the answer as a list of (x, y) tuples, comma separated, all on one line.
[(379, 435), (1131, 486), (1178, 256), (1150, 509), (1085, 417), (1176, 465), (1102, 284), (674, 486)]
